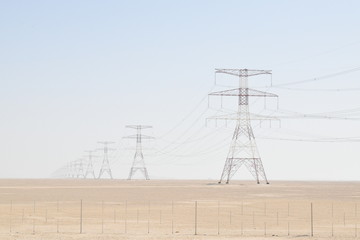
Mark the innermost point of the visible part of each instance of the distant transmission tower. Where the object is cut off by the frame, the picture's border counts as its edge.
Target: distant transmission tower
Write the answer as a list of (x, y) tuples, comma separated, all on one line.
[(72, 168), (69, 170), (90, 167), (105, 167), (79, 168), (243, 149), (138, 162)]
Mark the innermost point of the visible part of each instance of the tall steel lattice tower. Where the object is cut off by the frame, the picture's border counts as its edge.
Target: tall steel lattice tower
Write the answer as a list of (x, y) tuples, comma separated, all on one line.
[(105, 167), (243, 149), (138, 162), (90, 167)]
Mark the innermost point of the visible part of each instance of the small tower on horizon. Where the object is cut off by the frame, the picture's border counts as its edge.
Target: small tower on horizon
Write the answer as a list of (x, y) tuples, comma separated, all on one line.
[(105, 167), (90, 167), (138, 162)]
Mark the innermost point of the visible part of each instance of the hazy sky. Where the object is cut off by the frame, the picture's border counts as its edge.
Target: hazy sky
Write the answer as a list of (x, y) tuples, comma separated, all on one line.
[(76, 72)]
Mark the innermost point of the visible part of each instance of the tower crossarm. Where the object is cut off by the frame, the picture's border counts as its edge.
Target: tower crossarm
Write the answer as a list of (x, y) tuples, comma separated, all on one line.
[(142, 136), (90, 153), (106, 142), (107, 149), (242, 72), (235, 116), (243, 92), (138, 126)]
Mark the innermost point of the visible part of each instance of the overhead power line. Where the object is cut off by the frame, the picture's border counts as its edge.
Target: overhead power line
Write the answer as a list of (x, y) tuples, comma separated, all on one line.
[(328, 140), (317, 78), (322, 89)]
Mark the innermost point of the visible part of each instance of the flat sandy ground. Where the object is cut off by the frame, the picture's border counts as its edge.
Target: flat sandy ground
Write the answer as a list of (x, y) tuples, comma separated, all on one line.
[(177, 209)]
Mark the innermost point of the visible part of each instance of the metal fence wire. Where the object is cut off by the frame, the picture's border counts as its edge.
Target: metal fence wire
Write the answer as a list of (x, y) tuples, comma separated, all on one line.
[(241, 218)]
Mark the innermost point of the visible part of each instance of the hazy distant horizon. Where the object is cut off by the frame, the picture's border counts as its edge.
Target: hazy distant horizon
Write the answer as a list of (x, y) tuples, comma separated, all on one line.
[(76, 73)]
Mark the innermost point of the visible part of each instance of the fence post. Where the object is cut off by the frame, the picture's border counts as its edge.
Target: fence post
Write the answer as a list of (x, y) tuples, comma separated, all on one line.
[(125, 220), (148, 225), (34, 217), (218, 215), (11, 203), (312, 220), (57, 216), (172, 217), (102, 216), (332, 219), (195, 217), (81, 215)]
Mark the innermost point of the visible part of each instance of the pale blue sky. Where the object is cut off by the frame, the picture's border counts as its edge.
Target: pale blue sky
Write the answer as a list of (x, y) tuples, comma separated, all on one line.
[(75, 72)]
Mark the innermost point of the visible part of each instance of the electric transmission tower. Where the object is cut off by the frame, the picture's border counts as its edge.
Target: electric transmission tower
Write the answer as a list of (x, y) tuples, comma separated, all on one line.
[(72, 168), (105, 167), (68, 173), (90, 167), (243, 149), (79, 168), (138, 162)]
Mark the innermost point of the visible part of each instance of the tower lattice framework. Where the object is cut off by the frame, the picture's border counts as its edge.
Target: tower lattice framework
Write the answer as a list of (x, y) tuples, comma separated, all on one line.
[(138, 162), (243, 150), (105, 167), (79, 168), (90, 167)]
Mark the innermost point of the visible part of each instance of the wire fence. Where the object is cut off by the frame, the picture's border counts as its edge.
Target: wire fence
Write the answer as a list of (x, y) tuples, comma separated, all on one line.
[(243, 218)]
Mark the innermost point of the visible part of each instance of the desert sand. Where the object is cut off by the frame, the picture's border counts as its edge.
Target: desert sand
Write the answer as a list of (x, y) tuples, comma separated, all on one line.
[(177, 209)]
